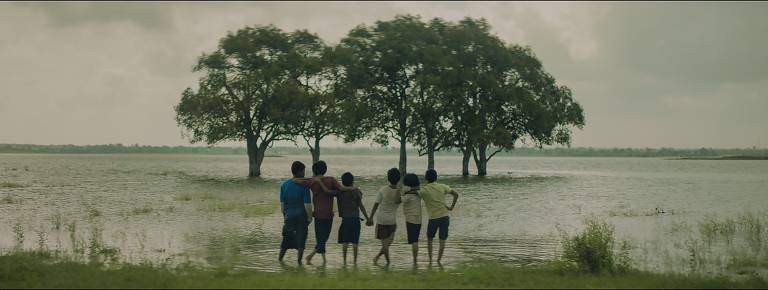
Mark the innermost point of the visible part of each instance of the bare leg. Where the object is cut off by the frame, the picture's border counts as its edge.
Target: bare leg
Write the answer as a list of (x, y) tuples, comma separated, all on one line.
[(429, 249), (323, 255), (381, 252), (354, 253), (386, 245), (415, 250), (300, 255), (310, 256), (440, 251), (282, 254), (344, 251)]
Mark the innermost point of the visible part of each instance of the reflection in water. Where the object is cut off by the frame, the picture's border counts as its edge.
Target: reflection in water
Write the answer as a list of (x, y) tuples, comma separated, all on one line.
[(178, 208)]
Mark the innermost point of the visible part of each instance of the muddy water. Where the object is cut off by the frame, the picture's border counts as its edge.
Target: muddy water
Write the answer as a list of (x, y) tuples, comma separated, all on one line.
[(199, 208)]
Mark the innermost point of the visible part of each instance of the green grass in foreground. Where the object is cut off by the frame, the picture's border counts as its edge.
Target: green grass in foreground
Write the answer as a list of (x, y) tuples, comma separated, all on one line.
[(32, 270)]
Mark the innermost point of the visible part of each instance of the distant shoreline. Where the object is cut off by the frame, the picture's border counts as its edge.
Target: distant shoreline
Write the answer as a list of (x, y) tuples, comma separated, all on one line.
[(669, 153), (722, 158)]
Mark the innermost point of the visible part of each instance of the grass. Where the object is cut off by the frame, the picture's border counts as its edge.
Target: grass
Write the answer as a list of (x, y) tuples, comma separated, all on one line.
[(595, 250), (42, 270)]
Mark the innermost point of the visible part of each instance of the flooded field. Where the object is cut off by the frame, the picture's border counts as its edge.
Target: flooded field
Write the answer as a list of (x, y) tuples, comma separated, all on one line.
[(679, 215)]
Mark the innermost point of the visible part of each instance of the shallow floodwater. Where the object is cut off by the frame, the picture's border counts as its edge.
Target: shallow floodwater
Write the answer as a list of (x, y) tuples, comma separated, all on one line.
[(201, 208)]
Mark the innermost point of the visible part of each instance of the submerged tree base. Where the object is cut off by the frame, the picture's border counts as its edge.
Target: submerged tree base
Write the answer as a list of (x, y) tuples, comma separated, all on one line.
[(36, 270)]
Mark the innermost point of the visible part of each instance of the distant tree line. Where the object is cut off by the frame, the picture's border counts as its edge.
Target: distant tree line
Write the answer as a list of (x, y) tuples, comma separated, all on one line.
[(436, 85), (564, 152)]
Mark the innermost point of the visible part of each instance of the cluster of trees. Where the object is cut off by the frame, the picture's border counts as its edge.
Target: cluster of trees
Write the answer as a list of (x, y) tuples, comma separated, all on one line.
[(276, 151), (438, 85)]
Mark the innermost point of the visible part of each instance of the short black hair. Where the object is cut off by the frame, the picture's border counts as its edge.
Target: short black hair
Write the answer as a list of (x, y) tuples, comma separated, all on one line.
[(347, 179), (393, 175), (319, 168), (431, 175), (297, 169), (411, 180)]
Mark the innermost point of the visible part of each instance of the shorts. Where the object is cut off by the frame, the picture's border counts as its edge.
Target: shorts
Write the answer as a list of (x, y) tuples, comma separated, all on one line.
[(322, 232), (438, 223), (413, 232), (349, 232), (384, 232)]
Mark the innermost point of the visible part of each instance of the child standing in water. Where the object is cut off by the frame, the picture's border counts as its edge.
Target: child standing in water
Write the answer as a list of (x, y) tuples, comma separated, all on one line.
[(433, 194), (388, 199), (350, 206), (412, 211)]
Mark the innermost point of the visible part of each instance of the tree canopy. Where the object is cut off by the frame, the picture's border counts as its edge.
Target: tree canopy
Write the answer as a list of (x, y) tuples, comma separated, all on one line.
[(437, 85)]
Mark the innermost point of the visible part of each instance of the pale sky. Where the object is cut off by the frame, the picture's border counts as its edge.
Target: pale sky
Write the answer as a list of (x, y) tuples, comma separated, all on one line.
[(650, 74)]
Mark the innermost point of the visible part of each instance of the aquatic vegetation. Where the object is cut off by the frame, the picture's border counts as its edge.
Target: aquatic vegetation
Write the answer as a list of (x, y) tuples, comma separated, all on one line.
[(56, 220), (753, 228), (7, 199), (91, 211), (141, 210), (593, 250), (733, 244), (187, 196), (6, 184), (41, 239), (77, 246), (18, 232), (245, 209)]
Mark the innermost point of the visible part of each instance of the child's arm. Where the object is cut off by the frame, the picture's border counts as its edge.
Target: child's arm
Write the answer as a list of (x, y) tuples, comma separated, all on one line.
[(345, 188), (362, 207), (373, 212), (455, 197), (307, 182)]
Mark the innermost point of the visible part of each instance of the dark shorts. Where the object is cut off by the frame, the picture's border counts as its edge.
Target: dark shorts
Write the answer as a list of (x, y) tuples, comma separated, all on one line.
[(385, 231), (295, 231), (349, 232), (413, 232), (322, 233), (438, 223)]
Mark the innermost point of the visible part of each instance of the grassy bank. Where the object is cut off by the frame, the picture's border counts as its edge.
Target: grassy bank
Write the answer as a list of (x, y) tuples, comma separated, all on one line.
[(35, 270)]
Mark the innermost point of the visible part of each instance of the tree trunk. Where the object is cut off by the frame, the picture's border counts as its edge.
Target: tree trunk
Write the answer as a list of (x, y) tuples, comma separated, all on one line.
[(430, 153), (260, 152), (254, 166), (481, 161), (430, 158), (465, 161), (315, 151), (403, 157)]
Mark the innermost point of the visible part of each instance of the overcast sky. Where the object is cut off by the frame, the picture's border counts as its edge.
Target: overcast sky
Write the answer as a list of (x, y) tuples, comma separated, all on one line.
[(648, 74)]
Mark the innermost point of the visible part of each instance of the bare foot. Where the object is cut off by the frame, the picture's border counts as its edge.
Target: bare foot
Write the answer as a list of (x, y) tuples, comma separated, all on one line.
[(309, 259)]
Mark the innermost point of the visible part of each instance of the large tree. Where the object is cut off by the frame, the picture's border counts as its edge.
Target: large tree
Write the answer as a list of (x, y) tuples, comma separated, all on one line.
[(502, 94), (319, 76), (388, 59), (433, 87), (245, 93)]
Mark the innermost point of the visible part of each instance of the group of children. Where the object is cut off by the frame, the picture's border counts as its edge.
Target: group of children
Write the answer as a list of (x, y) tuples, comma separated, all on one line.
[(298, 209)]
